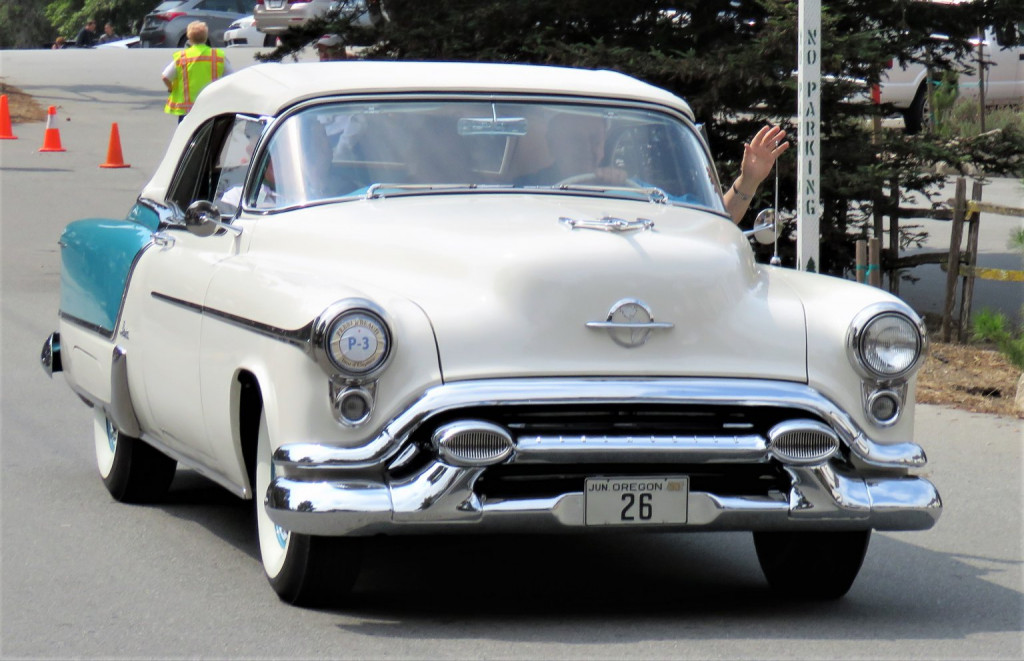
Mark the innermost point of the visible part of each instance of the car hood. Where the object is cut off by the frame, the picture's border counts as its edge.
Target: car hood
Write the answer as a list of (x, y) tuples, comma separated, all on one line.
[(509, 287)]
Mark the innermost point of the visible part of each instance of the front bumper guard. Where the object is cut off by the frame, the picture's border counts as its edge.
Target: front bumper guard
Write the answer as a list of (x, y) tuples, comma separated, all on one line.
[(323, 490), (441, 496)]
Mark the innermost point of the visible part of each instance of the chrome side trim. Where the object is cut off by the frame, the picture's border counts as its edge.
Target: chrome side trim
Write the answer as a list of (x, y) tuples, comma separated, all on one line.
[(121, 411), (387, 441), (441, 497), (107, 333), (635, 449), (299, 337)]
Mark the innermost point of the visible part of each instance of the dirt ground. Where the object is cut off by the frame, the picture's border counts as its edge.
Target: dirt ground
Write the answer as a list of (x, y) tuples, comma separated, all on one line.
[(970, 377), (22, 107)]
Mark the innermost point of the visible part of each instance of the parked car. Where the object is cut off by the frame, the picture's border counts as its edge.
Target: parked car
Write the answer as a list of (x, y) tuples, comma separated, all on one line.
[(127, 42), (275, 16), (367, 296), (243, 32), (906, 86), (166, 25)]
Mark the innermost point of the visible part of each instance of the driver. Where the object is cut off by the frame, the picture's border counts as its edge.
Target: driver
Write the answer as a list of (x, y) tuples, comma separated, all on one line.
[(576, 146)]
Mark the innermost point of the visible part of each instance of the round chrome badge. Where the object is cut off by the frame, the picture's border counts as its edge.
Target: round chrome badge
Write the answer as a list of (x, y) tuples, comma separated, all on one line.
[(627, 312)]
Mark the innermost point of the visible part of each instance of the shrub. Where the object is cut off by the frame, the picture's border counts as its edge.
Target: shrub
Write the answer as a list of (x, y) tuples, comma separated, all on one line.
[(993, 326)]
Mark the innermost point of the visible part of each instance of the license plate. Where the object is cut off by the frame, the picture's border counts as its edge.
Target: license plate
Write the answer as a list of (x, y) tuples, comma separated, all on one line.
[(275, 4), (625, 501)]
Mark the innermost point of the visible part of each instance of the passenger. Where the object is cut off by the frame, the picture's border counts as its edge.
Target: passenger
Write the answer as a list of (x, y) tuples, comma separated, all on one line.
[(759, 156), (577, 146)]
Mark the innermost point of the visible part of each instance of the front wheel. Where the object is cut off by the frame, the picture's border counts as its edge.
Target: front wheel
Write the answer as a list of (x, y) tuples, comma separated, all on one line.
[(304, 570), (132, 470), (811, 565)]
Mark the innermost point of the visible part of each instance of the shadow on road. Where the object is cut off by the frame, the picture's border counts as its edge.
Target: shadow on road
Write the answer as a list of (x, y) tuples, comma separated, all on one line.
[(563, 588)]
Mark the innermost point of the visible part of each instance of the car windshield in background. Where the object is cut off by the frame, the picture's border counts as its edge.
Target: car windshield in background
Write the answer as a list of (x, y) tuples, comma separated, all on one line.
[(417, 147)]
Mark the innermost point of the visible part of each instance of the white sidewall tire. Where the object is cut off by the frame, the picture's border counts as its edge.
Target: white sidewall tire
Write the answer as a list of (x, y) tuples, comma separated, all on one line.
[(275, 542), (105, 437)]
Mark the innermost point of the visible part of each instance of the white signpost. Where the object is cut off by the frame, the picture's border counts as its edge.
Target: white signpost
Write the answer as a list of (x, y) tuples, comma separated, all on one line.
[(808, 196)]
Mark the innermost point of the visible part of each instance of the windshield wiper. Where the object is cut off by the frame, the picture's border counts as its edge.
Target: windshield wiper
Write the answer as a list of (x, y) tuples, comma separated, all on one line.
[(652, 193), (380, 190)]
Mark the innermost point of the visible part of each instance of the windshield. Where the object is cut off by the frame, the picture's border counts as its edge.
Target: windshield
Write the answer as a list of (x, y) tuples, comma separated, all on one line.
[(421, 147)]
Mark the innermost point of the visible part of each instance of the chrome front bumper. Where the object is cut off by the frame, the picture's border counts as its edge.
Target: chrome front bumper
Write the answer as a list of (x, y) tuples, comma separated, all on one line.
[(324, 490)]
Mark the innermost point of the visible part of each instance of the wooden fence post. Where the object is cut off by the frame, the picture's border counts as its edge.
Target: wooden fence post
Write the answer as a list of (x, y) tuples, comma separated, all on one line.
[(894, 236), (967, 288), (874, 255), (862, 260), (953, 262)]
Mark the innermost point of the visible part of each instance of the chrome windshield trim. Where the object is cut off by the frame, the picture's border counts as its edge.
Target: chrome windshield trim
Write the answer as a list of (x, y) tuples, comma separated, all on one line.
[(389, 439)]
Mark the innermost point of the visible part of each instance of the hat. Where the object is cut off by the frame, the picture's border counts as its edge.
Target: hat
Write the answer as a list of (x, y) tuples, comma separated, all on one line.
[(329, 41)]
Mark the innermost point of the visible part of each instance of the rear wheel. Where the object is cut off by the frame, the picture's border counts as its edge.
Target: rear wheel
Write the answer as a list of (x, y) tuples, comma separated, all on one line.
[(304, 570), (811, 565), (132, 470), (919, 115), (269, 41)]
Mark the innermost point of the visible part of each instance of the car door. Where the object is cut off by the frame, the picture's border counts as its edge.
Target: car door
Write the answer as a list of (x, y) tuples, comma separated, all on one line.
[(1002, 76), (171, 281)]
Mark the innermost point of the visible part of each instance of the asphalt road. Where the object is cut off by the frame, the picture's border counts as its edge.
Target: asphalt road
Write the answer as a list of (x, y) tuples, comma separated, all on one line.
[(82, 576)]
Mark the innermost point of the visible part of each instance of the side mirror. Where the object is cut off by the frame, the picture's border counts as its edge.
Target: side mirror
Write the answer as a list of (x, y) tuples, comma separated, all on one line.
[(767, 226), (202, 218)]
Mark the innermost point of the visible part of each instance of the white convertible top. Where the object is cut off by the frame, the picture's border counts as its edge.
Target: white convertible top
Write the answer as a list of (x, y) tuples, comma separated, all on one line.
[(266, 89)]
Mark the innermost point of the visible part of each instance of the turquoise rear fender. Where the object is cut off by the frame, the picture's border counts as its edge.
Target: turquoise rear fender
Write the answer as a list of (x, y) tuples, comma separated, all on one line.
[(97, 258)]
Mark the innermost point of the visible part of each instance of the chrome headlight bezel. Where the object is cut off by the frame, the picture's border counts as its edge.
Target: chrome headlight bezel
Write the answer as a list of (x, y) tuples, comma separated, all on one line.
[(860, 336), (360, 318)]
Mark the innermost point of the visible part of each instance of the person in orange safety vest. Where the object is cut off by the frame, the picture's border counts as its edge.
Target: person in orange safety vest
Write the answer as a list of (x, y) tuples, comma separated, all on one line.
[(192, 69)]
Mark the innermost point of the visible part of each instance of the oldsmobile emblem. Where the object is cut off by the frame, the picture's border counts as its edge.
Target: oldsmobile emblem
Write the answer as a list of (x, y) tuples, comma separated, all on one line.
[(630, 322)]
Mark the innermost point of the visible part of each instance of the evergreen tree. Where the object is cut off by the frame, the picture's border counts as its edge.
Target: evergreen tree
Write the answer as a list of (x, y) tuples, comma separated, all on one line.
[(734, 62)]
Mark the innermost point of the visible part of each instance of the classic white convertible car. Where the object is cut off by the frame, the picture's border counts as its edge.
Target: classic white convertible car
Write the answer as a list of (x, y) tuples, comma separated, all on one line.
[(413, 298)]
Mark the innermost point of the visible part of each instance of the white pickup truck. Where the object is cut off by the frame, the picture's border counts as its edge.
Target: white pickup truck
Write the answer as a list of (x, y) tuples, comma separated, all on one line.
[(906, 88)]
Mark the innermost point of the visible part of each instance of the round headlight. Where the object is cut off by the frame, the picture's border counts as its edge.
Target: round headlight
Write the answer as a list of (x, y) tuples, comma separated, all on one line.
[(889, 345), (357, 342)]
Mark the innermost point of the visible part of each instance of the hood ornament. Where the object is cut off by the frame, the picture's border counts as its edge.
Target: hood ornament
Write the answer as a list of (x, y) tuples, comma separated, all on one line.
[(608, 224), (630, 323)]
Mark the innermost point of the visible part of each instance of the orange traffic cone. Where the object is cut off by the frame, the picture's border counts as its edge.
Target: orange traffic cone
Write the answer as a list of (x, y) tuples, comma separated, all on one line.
[(5, 120), (51, 139), (114, 157)]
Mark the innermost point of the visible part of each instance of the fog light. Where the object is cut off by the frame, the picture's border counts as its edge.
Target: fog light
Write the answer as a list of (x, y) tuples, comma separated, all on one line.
[(473, 443), (353, 406), (884, 407), (802, 442)]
